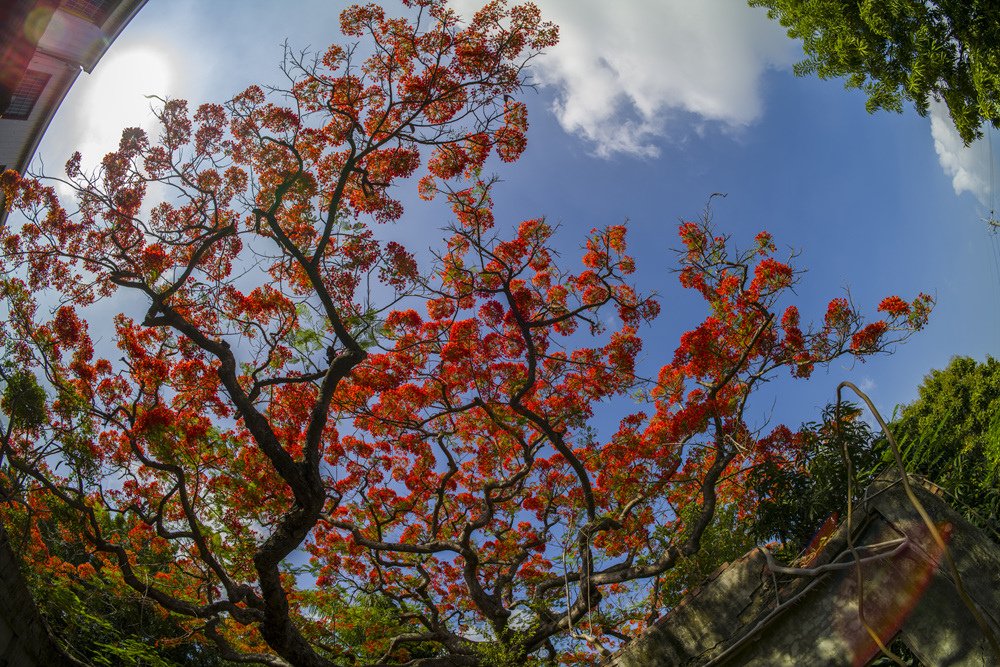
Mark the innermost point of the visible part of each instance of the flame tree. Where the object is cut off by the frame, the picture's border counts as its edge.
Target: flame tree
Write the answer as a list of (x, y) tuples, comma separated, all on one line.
[(311, 452)]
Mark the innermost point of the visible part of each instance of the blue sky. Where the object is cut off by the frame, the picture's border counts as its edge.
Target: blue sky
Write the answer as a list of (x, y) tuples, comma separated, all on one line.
[(642, 112)]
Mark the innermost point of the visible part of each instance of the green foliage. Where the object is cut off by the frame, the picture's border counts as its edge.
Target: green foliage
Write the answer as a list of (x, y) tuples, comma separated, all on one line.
[(102, 628), (951, 435), (23, 400), (727, 538), (896, 50), (504, 653), (365, 626), (796, 499)]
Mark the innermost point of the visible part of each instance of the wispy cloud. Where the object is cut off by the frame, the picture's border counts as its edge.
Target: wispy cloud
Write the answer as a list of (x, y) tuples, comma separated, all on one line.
[(867, 385), (967, 166)]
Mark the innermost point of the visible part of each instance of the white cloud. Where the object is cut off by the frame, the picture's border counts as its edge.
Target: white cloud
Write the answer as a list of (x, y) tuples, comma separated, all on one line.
[(626, 72), (968, 166)]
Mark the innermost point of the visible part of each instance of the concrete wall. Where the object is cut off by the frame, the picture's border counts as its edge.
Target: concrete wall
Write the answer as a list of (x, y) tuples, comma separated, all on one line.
[(737, 618)]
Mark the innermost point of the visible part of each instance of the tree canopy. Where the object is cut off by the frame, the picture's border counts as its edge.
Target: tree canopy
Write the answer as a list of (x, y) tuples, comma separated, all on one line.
[(916, 50), (311, 450), (951, 435)]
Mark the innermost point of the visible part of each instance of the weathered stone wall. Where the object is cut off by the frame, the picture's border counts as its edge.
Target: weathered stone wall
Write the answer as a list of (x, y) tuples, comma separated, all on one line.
[(24, 640), (737, 619)]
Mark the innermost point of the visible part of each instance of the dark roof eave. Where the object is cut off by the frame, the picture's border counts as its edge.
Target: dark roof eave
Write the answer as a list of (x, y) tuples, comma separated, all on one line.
[(41, 124), (113, 27)]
